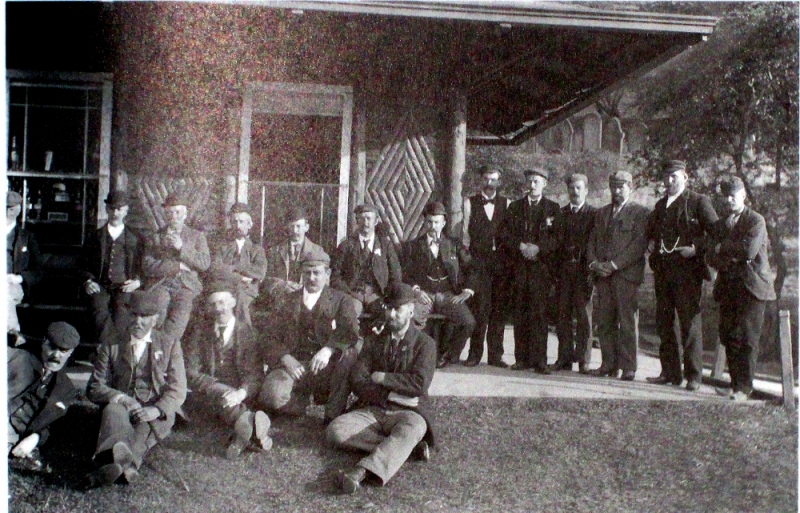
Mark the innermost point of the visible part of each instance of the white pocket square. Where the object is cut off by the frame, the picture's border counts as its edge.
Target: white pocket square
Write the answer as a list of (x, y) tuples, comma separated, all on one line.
[(61, 405)]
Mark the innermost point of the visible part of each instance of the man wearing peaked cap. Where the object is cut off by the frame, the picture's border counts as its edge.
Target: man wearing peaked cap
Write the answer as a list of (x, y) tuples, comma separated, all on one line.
[(365, 263), (38, 393), (174, 258), (532, 237), (312, 344), (390, 420), (139, 381), (113, 258), (679, 233), (616, 258), (235, 257), (444, 275), (23, 261)]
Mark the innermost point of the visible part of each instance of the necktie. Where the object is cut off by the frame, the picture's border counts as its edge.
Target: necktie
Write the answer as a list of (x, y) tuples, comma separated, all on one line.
[(574, 209), (365, 248)]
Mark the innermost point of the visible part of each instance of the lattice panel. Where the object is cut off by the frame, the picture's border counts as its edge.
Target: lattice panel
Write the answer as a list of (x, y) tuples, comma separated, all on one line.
[(150, 192), (402, 181)]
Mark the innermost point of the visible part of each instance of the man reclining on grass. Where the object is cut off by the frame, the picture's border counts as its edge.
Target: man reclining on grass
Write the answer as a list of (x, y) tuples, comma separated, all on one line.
[(391, 379)]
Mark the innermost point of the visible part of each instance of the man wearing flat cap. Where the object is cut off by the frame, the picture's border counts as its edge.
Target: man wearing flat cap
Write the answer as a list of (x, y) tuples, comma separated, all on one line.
[(235, 258), (444, 276), (531, 234), (38, 393), (484, 213), (174, 259), (390, 420), (23, 261), (574, 281), (312, 344), (679, 232), (113, 258), (283, 259), (139, 381), (224, 370), (616, 258), (365, 263), (745, 282)]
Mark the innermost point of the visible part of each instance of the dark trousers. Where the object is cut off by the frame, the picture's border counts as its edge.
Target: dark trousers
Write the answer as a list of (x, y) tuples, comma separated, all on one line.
[(615, 312), (459, 322), (181, 301), (116, 426), (211, 402), (740, 321), (531, 288), (574, 302), (115, 300), (679, 290), (489, 306)]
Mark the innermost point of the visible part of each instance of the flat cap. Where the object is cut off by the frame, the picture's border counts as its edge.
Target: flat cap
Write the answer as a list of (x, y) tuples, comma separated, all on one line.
[(398, 294), (366, 207), (176, 198), (13, 199), (730, 185), (240, 208), (620, 177), (672, 166), (63, 336), (296, 214), (544, 173), (576, 177), (434, 208), (313, 257), (146, 303), (485, 170)]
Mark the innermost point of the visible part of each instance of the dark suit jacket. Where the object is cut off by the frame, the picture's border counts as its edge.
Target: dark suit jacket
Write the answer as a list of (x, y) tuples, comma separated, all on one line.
[(98, 251), (23, 369), (27, 260), (622, 239), (227, 265), (461, 269), (201, 357), (162, 262), (409, 373), (383, 262), (280, 268), (114, 368), (743, 261), (696, 218), (542, 229), (335, 325)]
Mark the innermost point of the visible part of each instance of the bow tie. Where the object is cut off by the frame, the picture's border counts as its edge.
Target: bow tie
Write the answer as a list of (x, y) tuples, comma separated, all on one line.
[(489, 201)]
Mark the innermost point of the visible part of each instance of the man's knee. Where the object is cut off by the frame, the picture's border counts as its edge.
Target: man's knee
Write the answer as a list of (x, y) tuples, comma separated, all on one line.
[(277, 390), (336, 432)]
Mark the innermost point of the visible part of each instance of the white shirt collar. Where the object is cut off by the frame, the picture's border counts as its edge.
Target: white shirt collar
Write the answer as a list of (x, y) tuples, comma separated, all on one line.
[(370, 241), (10, 228), (310, 298), (618, 208), (671, 199), (532, 201), (227, 332), (147, 338), (575, 208), (487, 197), (115, 231)]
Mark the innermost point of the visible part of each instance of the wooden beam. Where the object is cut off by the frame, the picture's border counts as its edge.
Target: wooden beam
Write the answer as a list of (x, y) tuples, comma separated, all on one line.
[(458, 163), (719, 361)]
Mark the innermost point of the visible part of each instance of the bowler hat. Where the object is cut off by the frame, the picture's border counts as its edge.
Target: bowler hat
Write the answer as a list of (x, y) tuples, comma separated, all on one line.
[(485, 170), (177, 198), (117, 198), (145, 303), (730, 185), (673, 166), (240, 208), (313, 257), (366, 207), (620, 177), (576, 177), (398, 294), (537, 171), (63, 336), (13, 199), (434, 208), (296, 214)]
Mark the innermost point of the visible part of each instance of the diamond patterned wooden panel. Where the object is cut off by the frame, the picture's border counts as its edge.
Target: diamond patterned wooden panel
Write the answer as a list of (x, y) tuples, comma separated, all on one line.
[(402, 181), (151, 191)]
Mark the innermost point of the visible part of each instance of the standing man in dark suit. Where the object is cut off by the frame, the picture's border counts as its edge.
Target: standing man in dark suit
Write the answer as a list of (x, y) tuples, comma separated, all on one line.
[(678, 231), (224, 369), (313, 344), (139, 381), (365, 263), (391, 379), (38, 393), (574, 280), (23, 262), (113, 259), (483, 215), (443, 275), (532, 236), (234, 258), (174, 258), (616, 257), (744, 283)]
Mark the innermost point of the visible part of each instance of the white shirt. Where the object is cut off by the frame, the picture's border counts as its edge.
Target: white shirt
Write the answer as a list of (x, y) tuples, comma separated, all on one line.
[(10, 228), (489, 207), (671, 199), (533, 202), (239, 245), (115, 231), (227, 330), (369, 242), (139, 345), (434, 246), (310, 298), (576, 208)]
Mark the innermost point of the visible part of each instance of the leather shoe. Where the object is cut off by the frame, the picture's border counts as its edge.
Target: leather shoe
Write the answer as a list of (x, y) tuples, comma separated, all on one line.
[(724, 392), (422, 451), (242, 432), (499, 363), (693, 385), (583, 368), (471, 363), (542, 369), (350, 481), (663, 380), (105, 475), (628, 375), (601, 373), (443, 362), (519, 366), (561, 366)]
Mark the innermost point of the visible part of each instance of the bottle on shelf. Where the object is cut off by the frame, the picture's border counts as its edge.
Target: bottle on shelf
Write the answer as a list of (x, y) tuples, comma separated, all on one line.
[(14, 157)]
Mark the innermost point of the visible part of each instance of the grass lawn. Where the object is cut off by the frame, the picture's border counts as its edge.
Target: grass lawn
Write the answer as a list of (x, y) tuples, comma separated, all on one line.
[(494, 455)]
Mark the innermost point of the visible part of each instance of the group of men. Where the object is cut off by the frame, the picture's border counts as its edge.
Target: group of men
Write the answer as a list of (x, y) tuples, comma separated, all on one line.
[(353, 322)]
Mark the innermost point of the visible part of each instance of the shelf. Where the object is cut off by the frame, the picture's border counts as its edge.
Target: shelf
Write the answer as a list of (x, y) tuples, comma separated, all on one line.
[(59, 176)]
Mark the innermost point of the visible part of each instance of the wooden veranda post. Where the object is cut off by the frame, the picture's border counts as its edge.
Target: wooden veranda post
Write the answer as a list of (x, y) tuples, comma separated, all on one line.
[(458, 164), (787, 369)]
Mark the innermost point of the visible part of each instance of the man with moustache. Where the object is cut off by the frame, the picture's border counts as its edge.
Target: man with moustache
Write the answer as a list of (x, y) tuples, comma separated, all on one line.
[(678, 231), (365, 263), (616, 258), (532, 236), (574, 279), (443, 275), (139, 381), (235, 258), (390, 420), (38, 393), (745, 282), (174, 258), (483, 215)]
